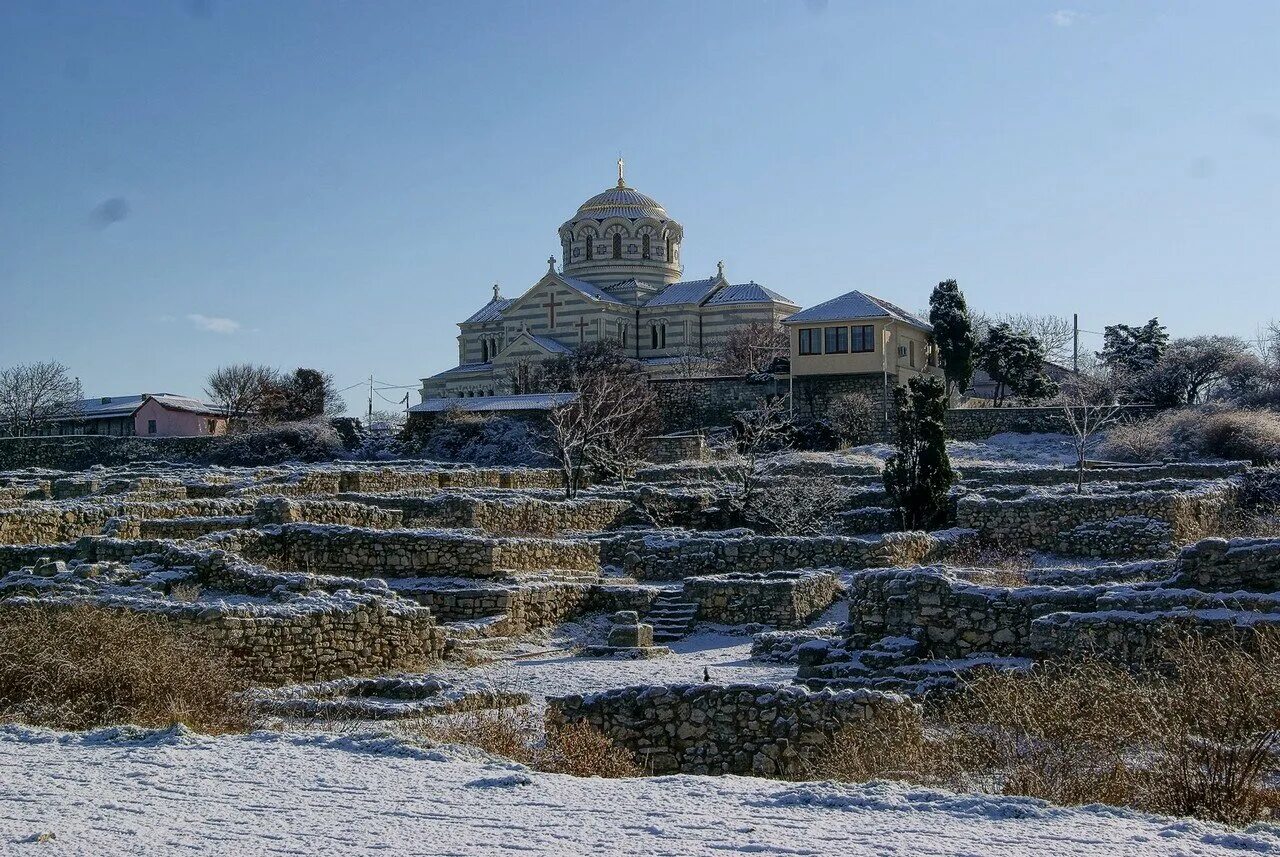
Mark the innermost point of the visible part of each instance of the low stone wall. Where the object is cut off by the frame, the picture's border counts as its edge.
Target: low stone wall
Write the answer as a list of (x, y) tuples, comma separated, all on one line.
[(978, 477), (1127, 537), (284, 510), (955, 619), (14, 557), (528, 607), (310, 639), (1141, 638), (54, 522), (1039, 521), (734, 729), (1219, 565), (674, 556), (406, 479), (783, 599), (359, 552), (982, 423), (512, 515)]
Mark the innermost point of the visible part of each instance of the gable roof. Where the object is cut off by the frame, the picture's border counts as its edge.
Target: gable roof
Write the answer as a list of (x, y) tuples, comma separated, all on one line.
[(590, 290), (109, 407), (749, 293), (683, 292), (548, 343), (460, 369), (492, 311), (853, 305)]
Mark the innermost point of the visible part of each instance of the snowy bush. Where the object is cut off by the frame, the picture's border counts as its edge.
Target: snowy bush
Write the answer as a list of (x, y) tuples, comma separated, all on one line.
[(307, 441), (1207, 432), (482, 441)]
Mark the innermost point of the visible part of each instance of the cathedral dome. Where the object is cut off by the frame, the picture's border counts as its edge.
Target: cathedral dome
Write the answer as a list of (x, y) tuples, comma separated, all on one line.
[(621, 201), (619, 236)]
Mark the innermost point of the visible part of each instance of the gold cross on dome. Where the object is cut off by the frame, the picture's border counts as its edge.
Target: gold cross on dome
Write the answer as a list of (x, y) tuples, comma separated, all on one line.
[(621, 183)]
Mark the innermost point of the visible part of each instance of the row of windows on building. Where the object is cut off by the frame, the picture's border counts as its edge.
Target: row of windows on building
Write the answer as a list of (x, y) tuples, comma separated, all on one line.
[(837, 340), (646, 247)]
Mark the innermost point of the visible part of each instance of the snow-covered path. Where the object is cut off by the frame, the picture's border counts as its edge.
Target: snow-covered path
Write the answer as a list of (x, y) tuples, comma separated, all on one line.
[(110, 793)]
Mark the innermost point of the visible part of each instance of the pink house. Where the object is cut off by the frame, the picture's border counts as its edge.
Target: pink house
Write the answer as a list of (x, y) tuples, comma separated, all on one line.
[(144, 415)]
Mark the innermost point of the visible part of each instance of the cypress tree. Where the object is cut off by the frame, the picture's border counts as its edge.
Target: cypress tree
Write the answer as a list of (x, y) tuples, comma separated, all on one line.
[(918, 475), (953, 333)]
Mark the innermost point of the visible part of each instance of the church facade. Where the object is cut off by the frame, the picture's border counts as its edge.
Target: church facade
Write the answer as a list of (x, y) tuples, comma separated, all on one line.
[(620, 281)]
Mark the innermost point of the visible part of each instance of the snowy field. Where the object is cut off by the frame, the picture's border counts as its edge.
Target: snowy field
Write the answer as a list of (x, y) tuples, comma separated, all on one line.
[(117, 792), (1009, 449)]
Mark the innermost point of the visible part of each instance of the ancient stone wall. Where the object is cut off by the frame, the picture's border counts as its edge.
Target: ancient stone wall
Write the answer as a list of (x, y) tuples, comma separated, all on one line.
[(54, 522), (310, 639), (982, 423), (783, 599), (674, 555), (978, 477), (1039, 521), (528, 607), (1221, 565), (359, 552), (726, 729)]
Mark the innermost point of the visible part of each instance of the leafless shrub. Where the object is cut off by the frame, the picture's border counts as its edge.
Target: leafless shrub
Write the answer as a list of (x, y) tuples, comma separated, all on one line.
[(1253, 435), (852, 418), (187, 592), (800, 507), (85, 667), (1198, 734), (35, 395)]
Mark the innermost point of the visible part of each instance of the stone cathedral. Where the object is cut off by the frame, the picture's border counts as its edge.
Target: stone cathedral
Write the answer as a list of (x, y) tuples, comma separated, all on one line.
[(620, 280)]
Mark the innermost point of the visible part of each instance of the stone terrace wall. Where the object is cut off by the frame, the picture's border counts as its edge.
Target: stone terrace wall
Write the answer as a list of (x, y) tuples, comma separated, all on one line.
[(1219, 565), (673, 556), (284, 510), (50, 523), (783, 599), (733, 729), (1038, 521), (985, 476), (312, 639), (954, 619), (531, 606), (982, 423), (506, 515), (1141, 638), (404, 553)]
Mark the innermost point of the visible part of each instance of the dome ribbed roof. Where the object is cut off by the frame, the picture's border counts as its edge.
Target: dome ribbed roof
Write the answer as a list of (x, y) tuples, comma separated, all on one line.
[(621, 202)]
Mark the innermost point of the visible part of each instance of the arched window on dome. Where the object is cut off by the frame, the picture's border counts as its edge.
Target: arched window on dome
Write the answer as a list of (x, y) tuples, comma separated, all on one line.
[(617, 245), (671, 245), (644, 247), (590, 246)]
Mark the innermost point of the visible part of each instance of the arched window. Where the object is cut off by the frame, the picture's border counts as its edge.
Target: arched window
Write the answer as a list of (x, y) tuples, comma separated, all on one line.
[(662, 335), (484, 351), (671, 250), (622, 334), (590, 246), (644, 247), (653, 336), (617, 245)]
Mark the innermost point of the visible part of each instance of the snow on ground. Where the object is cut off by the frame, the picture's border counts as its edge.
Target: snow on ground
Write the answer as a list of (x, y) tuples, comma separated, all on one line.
[(114, 792), (727, 658), (1009, 449)]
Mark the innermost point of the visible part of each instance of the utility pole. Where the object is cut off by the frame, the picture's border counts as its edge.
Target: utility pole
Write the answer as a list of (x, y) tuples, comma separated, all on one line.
[(1075, 342), (369, 420)]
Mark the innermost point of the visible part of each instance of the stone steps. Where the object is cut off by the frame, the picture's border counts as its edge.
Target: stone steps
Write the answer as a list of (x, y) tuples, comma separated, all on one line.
[(671, 618)]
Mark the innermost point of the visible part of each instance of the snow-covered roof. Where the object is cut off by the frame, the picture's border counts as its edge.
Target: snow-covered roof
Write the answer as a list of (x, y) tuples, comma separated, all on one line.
[(108, 407), (590, 290), (854, 305), (744, 293), (550, 344), (683, 292), (480, 404), (462, 369), (492, 311)]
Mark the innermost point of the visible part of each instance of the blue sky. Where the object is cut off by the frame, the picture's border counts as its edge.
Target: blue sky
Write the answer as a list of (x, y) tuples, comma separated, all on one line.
[(184, 184)]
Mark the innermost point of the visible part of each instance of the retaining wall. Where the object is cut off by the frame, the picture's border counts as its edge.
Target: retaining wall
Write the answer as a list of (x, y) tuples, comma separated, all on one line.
[(783, 599)]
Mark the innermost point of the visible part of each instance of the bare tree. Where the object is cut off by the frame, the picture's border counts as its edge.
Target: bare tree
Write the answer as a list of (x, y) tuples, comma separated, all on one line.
[(761, 431), (36, 394), (752, 349), (797, 507), (241, 389), (605, 413), (1088, 407)]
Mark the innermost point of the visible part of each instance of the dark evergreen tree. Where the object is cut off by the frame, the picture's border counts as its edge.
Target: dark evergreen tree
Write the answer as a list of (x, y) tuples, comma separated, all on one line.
[(953, 334), (1015, 362), (918, 475), (1130, 351)]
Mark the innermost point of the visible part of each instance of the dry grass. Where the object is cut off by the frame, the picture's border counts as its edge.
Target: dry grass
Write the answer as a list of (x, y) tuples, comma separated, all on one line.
[(992, 563), (1199, 736), (1233, 433), (85, 667), (576, 749)]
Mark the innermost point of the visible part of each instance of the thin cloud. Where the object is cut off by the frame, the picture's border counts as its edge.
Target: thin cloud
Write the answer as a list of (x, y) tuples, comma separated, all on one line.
[(1064, 17), (214, 324)]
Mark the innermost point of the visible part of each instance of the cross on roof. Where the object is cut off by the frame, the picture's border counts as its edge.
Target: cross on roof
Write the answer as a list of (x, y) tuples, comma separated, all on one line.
[(582, 326)]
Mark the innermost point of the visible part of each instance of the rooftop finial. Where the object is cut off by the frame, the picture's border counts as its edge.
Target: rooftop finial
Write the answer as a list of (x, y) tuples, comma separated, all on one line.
[(621, 164), (551, 263), (497, 294), (720, 268)]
